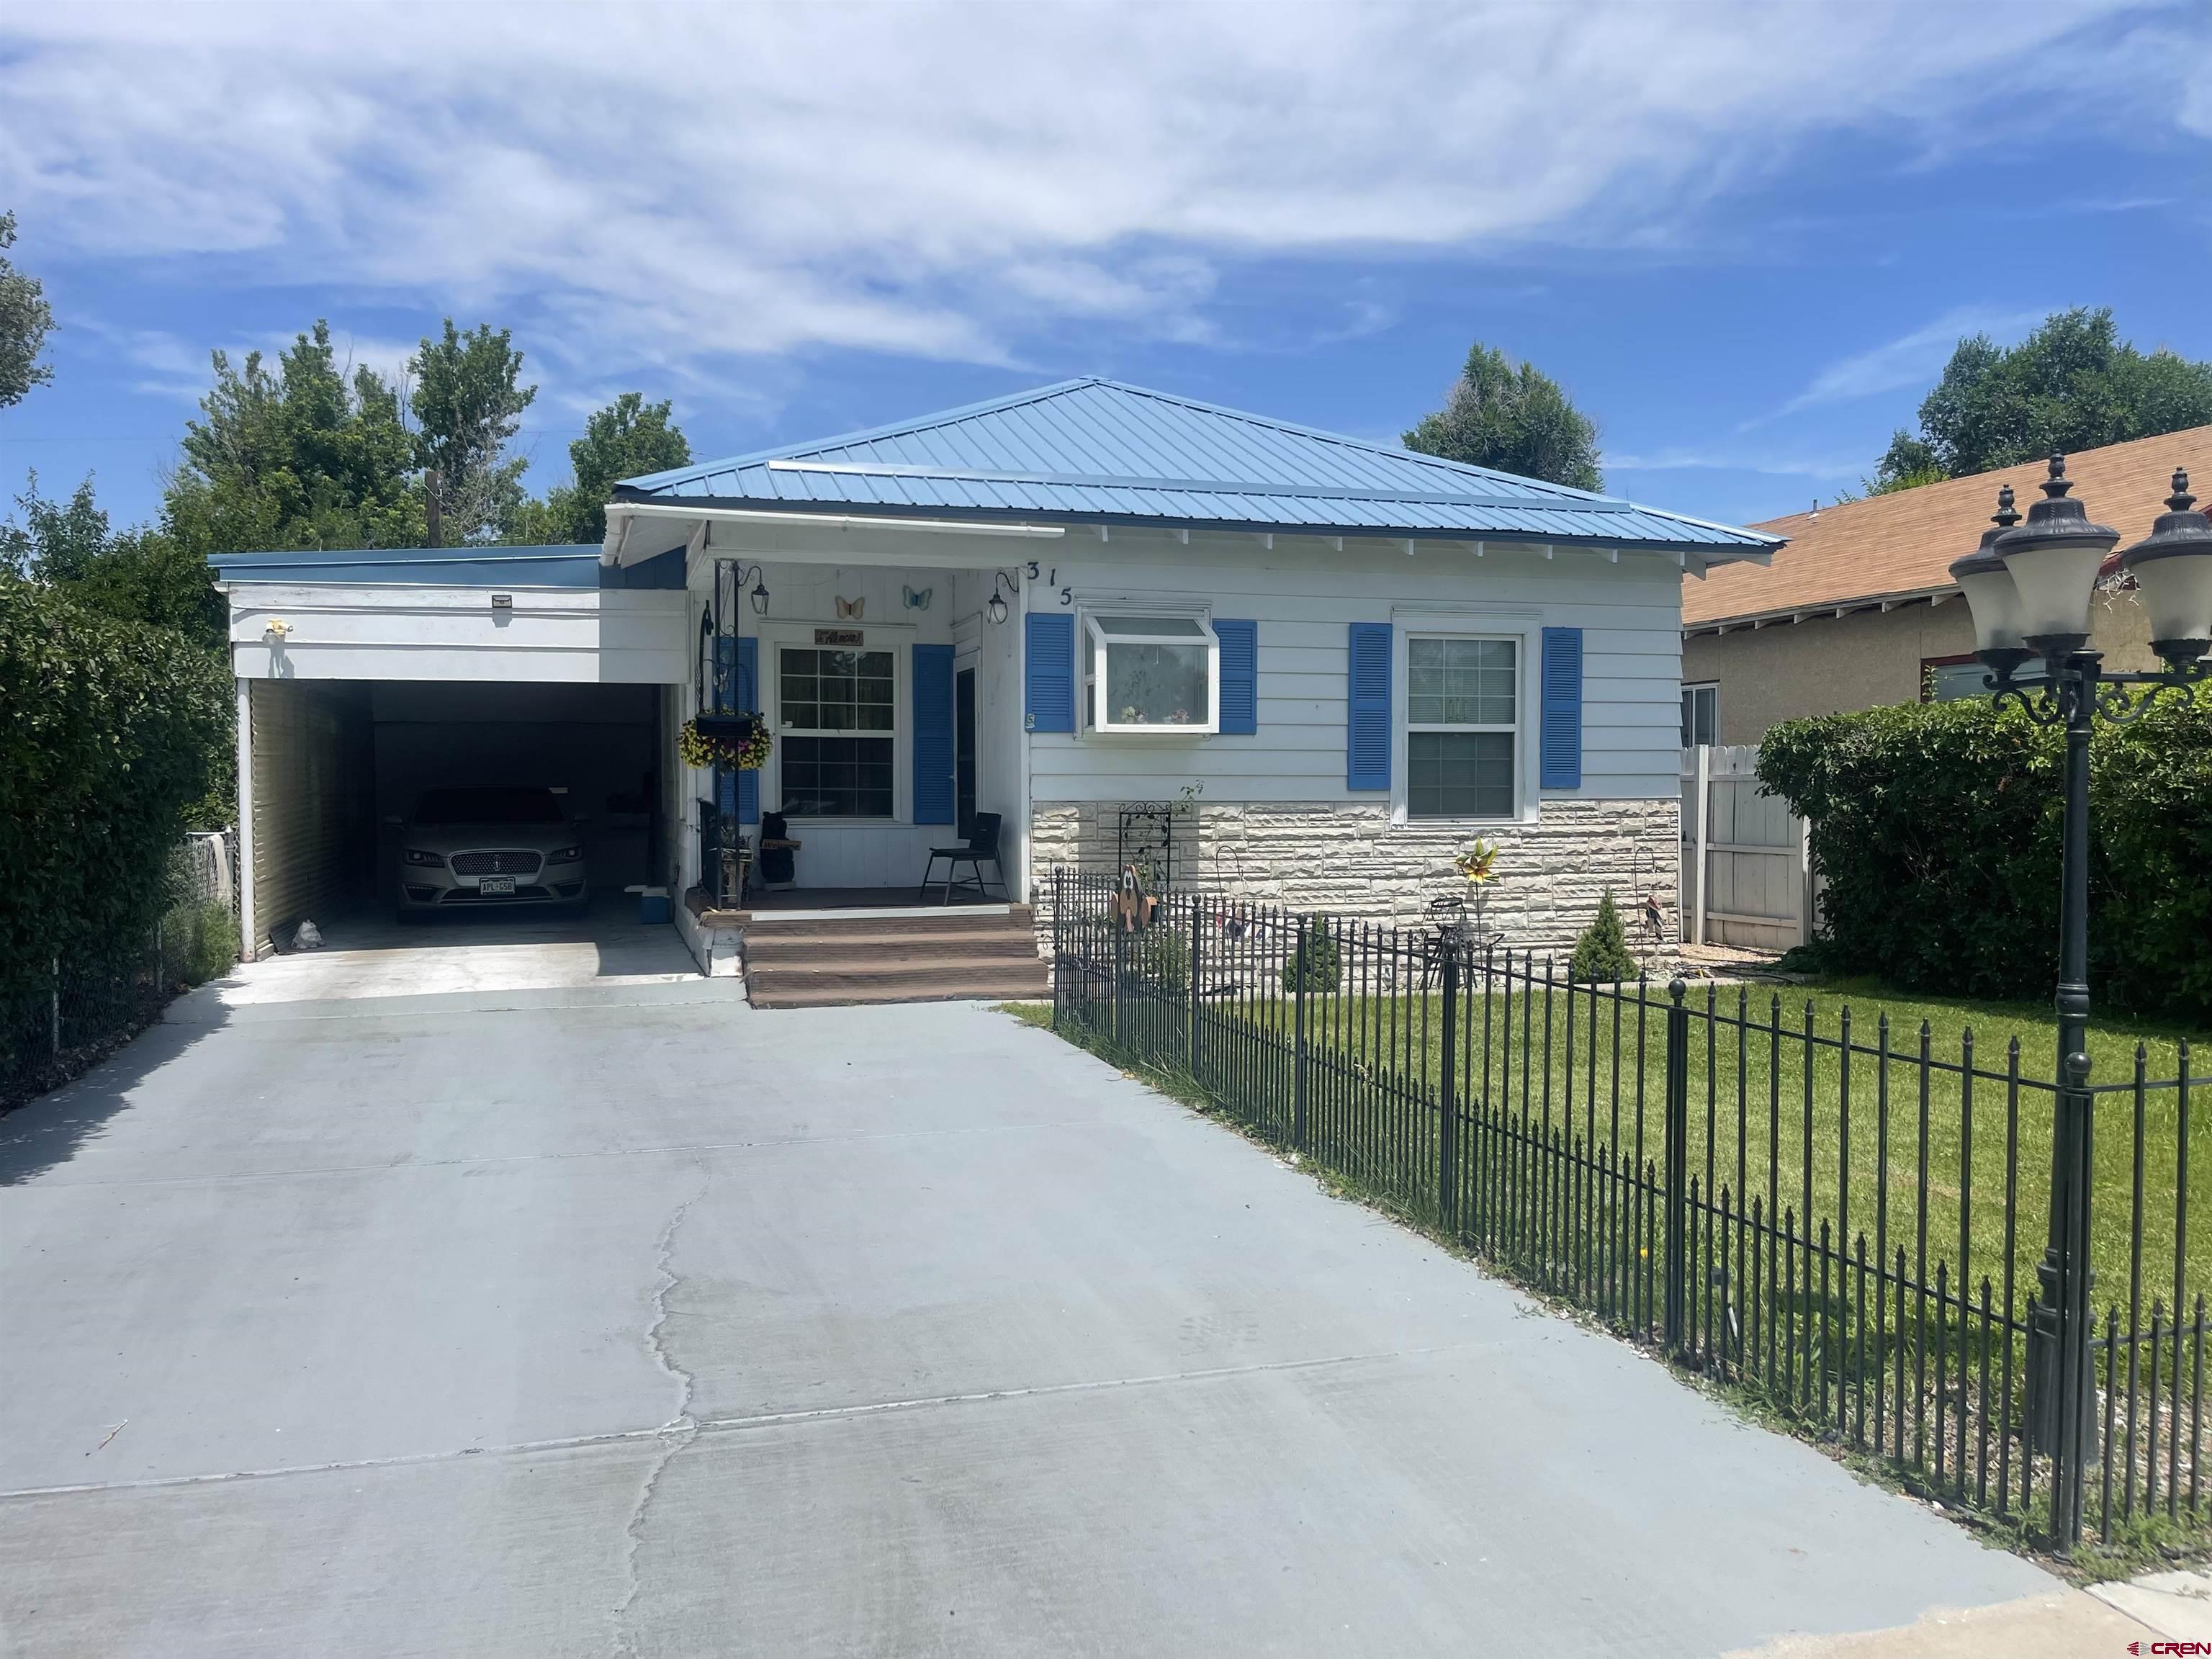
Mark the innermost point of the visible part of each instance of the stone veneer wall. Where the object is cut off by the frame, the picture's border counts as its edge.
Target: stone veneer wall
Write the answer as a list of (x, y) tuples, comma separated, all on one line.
[(1351, 861)]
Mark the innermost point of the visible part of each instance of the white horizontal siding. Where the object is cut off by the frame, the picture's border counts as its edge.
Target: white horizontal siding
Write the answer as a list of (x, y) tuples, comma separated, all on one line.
[(616, 636), (1629, 613)]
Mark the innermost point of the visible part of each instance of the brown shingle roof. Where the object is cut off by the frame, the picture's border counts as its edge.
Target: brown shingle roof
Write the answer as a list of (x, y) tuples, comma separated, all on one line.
[(1890, 545)]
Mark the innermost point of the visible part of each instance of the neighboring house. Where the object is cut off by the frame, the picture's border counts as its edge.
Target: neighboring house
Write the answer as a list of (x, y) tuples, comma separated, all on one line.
[(1349, 660), (1859, 609)]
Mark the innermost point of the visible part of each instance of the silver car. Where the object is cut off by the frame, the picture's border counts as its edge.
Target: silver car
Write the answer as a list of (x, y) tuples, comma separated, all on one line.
[(488, 846)]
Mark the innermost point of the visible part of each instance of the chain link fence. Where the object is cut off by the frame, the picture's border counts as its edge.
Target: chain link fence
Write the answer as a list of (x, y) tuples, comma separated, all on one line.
[(97, 992)]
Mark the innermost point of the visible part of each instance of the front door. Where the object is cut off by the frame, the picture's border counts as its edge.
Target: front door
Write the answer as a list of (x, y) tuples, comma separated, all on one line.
[(963, 750)]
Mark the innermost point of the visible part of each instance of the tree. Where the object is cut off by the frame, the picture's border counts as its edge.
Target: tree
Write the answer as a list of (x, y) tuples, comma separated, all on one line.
[(308, 456), (627, 439), (2071, 385), (1907, 464), (467, 403), (26, 319), (137, 576), (1515, 418)]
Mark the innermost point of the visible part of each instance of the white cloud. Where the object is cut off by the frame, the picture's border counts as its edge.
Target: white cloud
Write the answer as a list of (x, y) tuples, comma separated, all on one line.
[(1703, 460), (942, 181), (1910, 359)]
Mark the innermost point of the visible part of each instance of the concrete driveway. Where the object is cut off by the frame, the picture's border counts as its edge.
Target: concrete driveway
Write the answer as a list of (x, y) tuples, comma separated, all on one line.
[(490, 950), (616, 1319)]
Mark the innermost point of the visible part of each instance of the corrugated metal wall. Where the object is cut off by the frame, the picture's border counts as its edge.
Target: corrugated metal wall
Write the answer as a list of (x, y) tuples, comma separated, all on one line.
[(314, 828)]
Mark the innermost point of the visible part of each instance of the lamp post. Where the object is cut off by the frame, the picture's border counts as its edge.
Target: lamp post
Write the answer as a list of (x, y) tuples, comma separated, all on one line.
[(2029, 586)]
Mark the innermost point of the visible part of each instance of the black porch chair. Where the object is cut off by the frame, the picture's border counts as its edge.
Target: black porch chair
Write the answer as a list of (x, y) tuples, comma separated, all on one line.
[(983, 843)]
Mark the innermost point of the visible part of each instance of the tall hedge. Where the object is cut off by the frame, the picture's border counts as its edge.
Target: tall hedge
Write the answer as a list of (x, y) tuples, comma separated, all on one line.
[(107, 730), (1937, 827)]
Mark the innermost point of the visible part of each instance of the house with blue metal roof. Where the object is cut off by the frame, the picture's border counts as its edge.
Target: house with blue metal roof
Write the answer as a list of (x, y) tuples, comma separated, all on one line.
[(1342, 660), (1096, 625)]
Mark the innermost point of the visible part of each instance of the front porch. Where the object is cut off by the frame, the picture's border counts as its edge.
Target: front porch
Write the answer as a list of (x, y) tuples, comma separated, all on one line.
[(891, 694)]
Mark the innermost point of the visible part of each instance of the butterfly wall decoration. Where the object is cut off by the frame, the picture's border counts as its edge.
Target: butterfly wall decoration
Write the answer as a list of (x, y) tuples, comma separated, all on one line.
[(917, 601), (850, 608)]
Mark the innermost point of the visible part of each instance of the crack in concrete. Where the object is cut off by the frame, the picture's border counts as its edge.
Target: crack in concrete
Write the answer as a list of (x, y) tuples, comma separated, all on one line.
[(677, 1432), (696, 1428)]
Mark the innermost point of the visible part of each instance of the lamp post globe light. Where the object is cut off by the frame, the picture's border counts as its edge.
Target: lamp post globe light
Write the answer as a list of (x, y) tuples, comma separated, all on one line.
[(2029, 586)]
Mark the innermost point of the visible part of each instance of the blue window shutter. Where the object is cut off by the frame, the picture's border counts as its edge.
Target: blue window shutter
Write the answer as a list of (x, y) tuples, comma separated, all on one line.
[(1239, 676), (1049, 696), (933, 734), (1367, 737), (747, 684), (1561, 740)]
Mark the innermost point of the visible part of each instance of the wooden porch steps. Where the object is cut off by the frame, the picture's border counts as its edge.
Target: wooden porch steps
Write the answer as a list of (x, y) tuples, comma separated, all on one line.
[(826, 961)]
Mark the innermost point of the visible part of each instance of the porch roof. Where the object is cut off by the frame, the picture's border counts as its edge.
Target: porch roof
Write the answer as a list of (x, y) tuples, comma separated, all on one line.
[(1097, 452)]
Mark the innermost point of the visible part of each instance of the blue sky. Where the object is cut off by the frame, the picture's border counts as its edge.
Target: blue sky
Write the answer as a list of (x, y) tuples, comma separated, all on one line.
[(1745, 238)]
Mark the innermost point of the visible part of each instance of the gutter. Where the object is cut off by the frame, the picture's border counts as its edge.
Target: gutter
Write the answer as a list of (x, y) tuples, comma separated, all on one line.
[(1783, 615)]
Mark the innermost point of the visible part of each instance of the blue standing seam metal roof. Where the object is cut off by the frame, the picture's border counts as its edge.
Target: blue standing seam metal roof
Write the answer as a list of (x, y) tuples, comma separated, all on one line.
[(576, 566), (1098, 452)]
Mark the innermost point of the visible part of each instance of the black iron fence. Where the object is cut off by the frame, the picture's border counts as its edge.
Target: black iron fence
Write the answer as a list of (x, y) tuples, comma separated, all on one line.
[(61, 1013), (1845, 1221)]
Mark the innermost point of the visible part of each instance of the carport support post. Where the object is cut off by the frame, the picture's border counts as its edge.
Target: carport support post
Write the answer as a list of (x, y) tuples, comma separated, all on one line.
[(1677, 1158)]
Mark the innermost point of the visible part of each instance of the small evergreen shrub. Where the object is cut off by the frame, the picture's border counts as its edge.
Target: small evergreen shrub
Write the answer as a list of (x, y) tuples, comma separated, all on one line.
[(1316, 962), (1601, 954)]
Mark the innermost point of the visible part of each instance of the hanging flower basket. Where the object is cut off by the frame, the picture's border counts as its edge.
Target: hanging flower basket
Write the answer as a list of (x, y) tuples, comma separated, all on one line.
[(736, 743)]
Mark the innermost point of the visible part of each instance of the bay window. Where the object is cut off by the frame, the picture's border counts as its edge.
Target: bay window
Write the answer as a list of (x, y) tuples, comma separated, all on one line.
[(1462, 728), (1151, 673)]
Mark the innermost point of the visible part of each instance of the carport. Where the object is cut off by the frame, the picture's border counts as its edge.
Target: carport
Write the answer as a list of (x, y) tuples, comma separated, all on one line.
[(365, 678)]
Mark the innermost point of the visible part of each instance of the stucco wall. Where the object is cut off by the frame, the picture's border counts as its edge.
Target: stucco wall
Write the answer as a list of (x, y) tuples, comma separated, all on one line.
[(1824, 665), (1351, 861)]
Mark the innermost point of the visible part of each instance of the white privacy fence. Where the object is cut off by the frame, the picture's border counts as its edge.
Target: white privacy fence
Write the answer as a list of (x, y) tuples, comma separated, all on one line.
[(1747, 871)]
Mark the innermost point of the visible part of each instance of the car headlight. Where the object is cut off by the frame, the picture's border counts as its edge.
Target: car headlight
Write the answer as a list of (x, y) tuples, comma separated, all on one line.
[(435, 861), (565, 855)]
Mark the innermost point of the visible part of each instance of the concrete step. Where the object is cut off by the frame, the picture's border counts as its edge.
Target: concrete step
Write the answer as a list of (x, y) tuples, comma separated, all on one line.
[(768, 925), (861, 950), (944, 954), (786, 987)]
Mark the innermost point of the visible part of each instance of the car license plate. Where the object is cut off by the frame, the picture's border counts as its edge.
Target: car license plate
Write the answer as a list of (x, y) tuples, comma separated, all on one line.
[(488, 885)]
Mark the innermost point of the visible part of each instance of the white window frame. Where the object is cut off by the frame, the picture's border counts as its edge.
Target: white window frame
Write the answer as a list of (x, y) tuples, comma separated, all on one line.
[(1690, 689), (1094, 675), (1407, 727), (795, 640)]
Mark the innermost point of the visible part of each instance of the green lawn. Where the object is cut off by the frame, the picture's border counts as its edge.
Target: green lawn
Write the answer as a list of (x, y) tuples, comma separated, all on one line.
[(1750, 1106)]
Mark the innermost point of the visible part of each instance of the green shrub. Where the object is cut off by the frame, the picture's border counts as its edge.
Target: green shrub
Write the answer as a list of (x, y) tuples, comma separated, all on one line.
[(1163, 957), (200, 942), (1316, 961), (1937, 827), (1601, 954), (106, 729)]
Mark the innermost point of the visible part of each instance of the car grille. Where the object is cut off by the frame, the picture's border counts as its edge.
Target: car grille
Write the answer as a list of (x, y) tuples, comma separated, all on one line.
[(506, 862)]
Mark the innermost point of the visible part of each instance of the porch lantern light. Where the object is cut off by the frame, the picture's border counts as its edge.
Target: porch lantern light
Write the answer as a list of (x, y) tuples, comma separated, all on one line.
[(996, 610), (2029, 588), (1991, 594), (2173, 568), (759, 595), (2053, 560)]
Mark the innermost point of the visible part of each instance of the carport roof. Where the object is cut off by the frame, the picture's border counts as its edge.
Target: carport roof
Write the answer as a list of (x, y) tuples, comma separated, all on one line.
[(564, 566), (1098, 452)]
